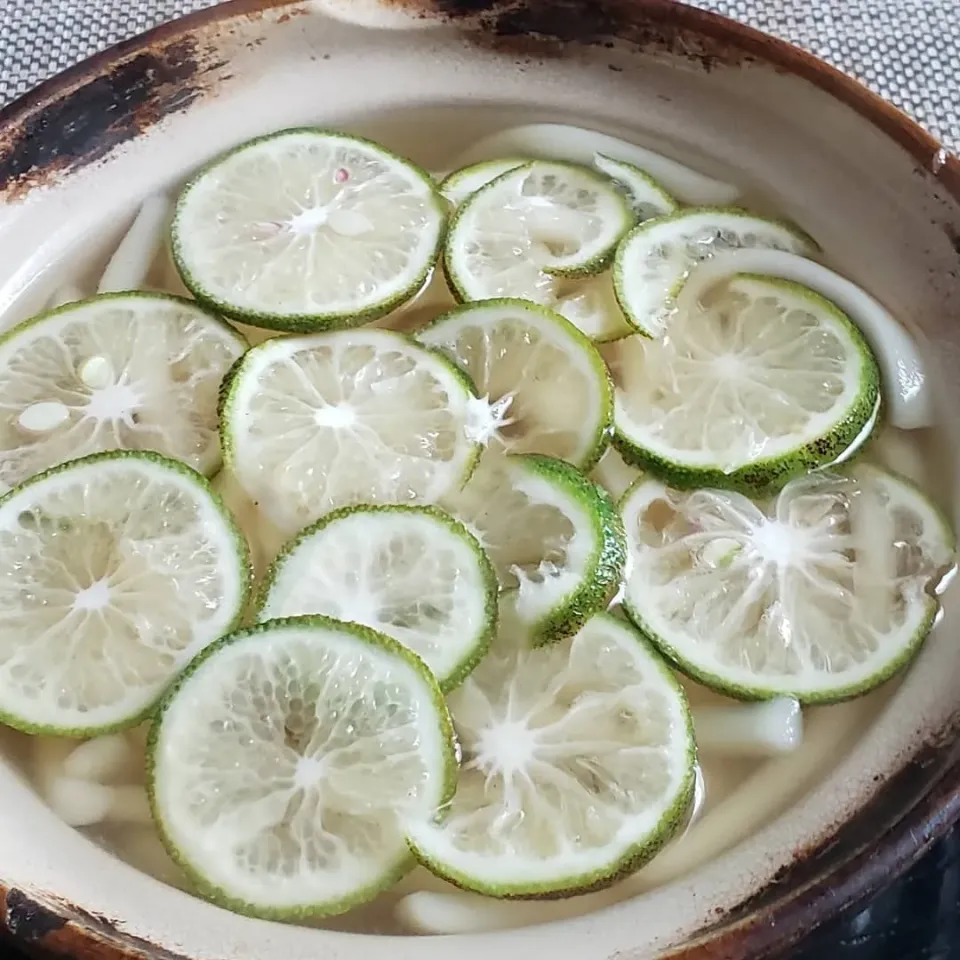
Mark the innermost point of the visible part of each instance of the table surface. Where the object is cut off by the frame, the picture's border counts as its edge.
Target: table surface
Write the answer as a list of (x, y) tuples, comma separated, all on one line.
[(906, 50)]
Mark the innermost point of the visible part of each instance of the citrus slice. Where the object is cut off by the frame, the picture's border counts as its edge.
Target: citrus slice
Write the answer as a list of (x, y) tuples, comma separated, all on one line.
[(647, 198), (461, 183), (412, 573), (554, 219), (552, 535), (307, 229), (131, 371), (548, 388), (822, 594), (114, 571), (761, 382), (314, 423), (907, 389), (578, 765), (655, 258), (286, 760)]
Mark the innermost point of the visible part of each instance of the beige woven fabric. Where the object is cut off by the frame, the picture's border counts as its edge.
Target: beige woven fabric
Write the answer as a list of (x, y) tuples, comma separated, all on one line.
[(906, 50)]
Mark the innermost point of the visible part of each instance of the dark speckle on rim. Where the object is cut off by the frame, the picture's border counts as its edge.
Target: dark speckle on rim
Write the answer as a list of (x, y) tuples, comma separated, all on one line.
[(28, 920), (108, 109), (953, 235)]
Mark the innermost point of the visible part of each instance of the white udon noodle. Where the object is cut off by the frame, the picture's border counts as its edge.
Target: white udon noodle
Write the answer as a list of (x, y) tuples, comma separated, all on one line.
[(98, 785)]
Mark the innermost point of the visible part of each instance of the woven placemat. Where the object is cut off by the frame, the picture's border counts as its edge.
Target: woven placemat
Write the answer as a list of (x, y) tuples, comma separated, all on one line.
[(906, 50)]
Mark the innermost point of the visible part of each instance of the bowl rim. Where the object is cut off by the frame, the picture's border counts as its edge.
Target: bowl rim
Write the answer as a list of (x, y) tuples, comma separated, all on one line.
[(775, 918)]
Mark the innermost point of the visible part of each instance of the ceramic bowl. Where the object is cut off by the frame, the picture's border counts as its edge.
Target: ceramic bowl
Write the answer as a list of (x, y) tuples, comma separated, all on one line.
[(881, 196)]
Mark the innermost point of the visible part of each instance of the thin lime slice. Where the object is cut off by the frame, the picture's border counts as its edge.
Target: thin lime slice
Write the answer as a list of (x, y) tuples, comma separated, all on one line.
[(553, 536), (314, 423), (578, 765), (286, 760), (548, 388), (130, 371), (307, 229), (654, 259), (114, 571), (412, 573), (462, 183), (821, 595), (505, 260), (763, 381), (554, 219), (907, 389), (647, 198)]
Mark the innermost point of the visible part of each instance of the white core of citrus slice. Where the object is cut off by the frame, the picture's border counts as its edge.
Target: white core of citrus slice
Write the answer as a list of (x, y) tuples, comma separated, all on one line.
[(554, 219), (412, 573), (820, 595), (314, 423), (647, 198), (120, 372), (116, 570), (655, 258), (307, 228), (767, 375), (286, 761), (545, 375), (553, 537), (907, 392), (557, 141), (578, 764), (462, 183)]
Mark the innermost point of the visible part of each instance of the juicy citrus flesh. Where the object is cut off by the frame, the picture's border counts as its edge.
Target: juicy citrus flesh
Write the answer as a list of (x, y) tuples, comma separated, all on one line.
[(655, 259), (820, 594), (307, 224), (647, 198), (412, 573), (320, 422), (125, 372), (492, 251), (546, 381), (764, 371), (462, 183), (552, 536), (577, 765), (287, 760), (116, 570)]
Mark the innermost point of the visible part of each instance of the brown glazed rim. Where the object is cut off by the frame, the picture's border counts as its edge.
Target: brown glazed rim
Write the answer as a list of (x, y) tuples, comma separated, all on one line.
[(54, 130)]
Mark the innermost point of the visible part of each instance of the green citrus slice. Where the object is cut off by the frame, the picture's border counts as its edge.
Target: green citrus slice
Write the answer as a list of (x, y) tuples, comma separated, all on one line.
[(286, 760), (462, 183), (115, 570), (821, 594), (307, 229), (762, 382), (654, 259), (129, 371), (412, 573), (552, 535), (548, 388), (319, 422), (647, 198), (578, 765), (555, 219)]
